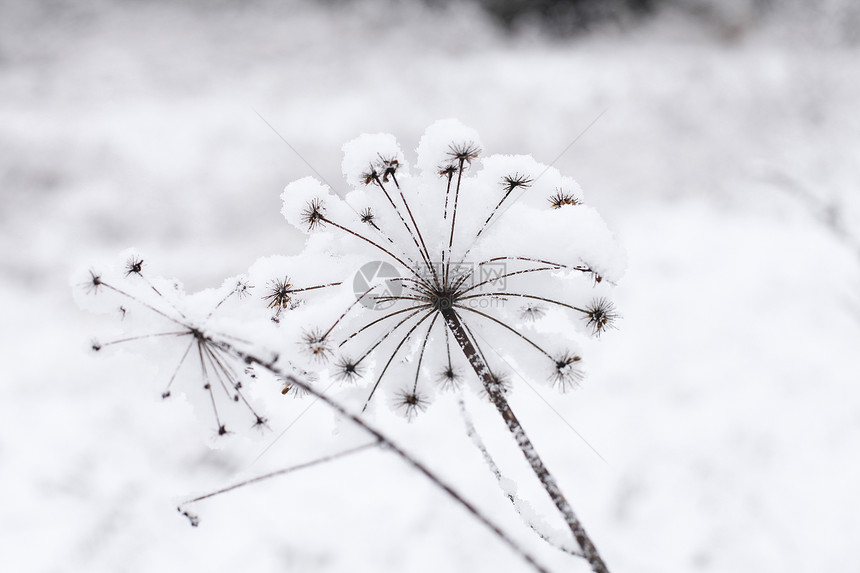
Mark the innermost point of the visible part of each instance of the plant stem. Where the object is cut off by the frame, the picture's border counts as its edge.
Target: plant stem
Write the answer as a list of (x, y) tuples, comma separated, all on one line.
[(386, 443), (497, 395)]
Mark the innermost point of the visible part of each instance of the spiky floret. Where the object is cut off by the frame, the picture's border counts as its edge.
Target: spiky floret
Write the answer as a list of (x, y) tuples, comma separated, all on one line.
[(464, 153), (93, 285), (601, 315), (280, 294), (411, 403), (348, 370), (134, 266), (313, 215), (532, 312), (370, 176), (317, 345), (389, 166), (450, 378), (566, 372), (562, 198), (243, 288), (368, 217), (516, 181), (447, 170)]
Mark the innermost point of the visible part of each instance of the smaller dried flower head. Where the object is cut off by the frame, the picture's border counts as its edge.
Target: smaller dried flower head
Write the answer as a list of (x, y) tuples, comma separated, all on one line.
[(450, 378), (92, 286), (313, 215), (562, 198), (242, 288), (317, 345), (448, 170), (601, 315), (280, 294), (134, 265), (411, 402), (368, 217), (464, 152), (532, 312), (566, 372), (370, 176), (515, 181), (347, 369), (389, 167)]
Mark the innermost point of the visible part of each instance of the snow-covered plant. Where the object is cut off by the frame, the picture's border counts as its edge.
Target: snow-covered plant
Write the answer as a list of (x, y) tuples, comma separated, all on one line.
[(471, 274)]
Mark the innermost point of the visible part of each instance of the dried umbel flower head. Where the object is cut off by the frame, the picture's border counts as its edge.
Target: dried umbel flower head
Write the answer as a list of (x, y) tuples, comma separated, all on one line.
[(484, 253), (187, 326)]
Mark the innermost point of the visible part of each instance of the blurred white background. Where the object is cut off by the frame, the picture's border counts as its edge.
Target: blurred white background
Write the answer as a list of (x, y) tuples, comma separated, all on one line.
[(726, 158)]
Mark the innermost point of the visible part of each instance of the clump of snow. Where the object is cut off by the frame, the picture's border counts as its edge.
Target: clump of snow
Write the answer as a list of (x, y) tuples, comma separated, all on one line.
[(365, 154), (434, 148)]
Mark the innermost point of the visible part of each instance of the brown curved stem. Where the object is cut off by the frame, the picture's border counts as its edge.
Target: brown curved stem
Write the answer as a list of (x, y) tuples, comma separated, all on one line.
[(497, 395)]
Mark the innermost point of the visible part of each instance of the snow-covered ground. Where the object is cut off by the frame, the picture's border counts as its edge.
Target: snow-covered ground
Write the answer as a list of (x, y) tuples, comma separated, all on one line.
[(726, 405)]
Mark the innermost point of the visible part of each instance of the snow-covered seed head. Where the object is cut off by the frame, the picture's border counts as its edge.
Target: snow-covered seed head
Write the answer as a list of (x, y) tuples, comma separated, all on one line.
[(389, 166), (313, 214), (532, 312), (368, 217), (347, 369), (93, 285), (316, 345), (134, 265), (515, 181), (370, 176), (454, 240), (449, 378), (447, 170), (242, 288), (464, 152), (280, 294), (562, 198), (566, 372), (410, 402), (601, 315)]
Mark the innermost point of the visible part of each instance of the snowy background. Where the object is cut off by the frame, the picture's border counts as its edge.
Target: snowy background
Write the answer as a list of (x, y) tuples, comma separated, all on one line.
[(726, 158)]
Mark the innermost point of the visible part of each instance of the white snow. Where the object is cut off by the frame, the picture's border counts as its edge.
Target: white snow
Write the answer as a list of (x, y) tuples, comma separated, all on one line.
[(726, 404)]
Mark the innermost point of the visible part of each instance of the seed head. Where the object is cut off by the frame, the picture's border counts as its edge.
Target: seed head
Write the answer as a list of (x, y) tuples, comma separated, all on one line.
[(566, 372), (447, 170), (368, 217), (532, 312), (347, 370), (92, 286), (449, 378), (515, 181), (389, 167), (316, 345), (562, 198), (464, 152), (134, 265), (313, 214), (280, 294), (411, 402), (242, 288), (601, 316)]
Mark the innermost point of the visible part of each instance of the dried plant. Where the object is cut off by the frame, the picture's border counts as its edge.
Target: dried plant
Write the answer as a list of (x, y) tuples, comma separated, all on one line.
[(412, 284)]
